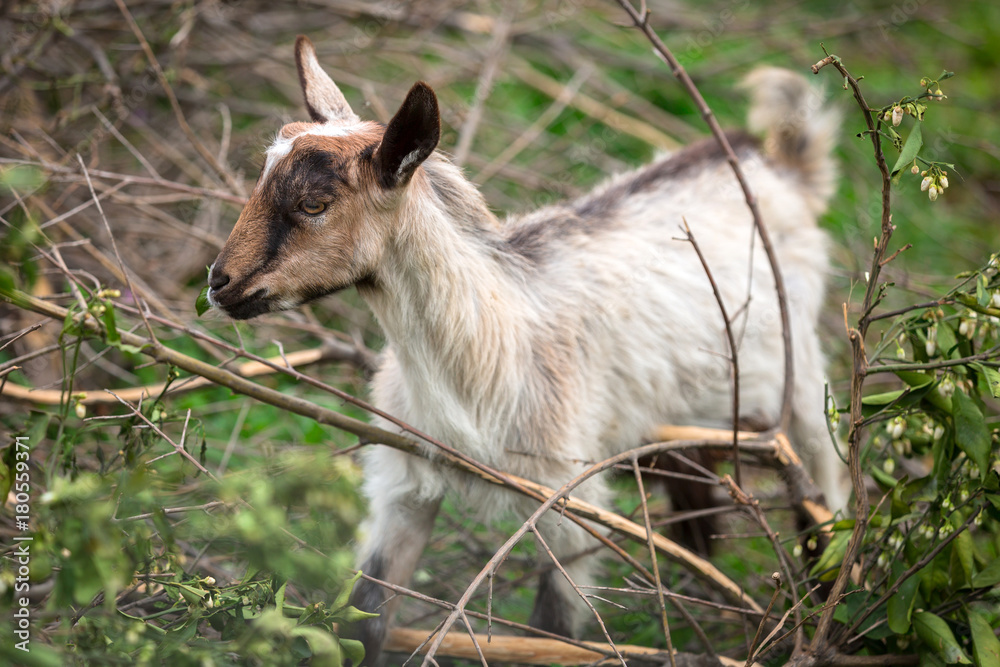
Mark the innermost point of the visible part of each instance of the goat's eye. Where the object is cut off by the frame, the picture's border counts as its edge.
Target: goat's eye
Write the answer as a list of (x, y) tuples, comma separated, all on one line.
[(312, 207)]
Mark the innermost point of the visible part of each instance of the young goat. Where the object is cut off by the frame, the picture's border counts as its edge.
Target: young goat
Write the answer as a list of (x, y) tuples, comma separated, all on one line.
[(542, 343)]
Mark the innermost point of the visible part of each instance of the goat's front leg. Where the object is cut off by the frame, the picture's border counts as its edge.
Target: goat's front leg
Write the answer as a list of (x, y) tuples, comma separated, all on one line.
[(401, 516)]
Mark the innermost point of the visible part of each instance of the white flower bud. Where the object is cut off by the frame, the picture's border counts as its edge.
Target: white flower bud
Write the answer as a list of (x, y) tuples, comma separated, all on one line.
[(943, 182), (889, 466), (932, 193), (963, 495), (931, 345), (897, 115), (81, 410), (995, 301), (883, 560), (896, 427), (944, 531), (947, 387), (926, 183), (938, 432), (797, 551), (979, 518), (914, 169)]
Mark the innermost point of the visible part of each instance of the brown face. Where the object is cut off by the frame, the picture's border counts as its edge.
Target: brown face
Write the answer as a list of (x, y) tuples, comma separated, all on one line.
[(324, 205), (309, 228)]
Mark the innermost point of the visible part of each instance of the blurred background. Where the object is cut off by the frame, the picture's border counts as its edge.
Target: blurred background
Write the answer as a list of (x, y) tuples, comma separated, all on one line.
[(540, 101)]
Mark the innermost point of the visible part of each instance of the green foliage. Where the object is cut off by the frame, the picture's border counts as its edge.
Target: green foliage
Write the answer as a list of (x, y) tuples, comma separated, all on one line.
[(152, 559), (932, 545), (933, 549)]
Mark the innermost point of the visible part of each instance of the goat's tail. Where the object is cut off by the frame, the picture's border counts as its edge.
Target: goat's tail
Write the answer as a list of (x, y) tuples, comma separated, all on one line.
[(800, 127)]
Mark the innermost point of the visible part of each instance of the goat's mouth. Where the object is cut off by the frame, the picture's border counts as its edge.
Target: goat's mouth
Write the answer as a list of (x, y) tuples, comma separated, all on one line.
[(247, 306), (243, 307)]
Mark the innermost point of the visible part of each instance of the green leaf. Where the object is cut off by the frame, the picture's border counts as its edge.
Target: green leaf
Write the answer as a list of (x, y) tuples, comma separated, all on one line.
[(882, 477), (110, 328), (983, 296), (934, 632), (946, 340), (345, 593), (985, 645), (971, 433), (353, 615), (990, 576), (6, 280), (992, 376), (353, 649), (901, 606), (882, 399), (915, 379), (964, 551), (829, 563), (910, 150), (324, 646), (994, 500), (279, 598), (201, 304)]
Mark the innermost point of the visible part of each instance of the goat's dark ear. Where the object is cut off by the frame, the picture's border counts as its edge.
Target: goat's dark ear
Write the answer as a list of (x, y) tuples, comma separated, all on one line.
[(324, 100), (410, 137)]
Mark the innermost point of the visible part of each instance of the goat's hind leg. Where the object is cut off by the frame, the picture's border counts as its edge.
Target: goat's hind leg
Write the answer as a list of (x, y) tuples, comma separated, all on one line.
[(401, 517)]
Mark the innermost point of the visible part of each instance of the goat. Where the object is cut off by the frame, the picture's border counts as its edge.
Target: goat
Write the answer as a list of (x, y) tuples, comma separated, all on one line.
[(543, 342)]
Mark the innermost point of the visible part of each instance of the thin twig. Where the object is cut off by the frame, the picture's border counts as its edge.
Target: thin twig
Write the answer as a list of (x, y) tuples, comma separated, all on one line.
[(206, 154), (114, 246), (734, 362), (656, 566), (776, 577), (641, 21), (494, 56)]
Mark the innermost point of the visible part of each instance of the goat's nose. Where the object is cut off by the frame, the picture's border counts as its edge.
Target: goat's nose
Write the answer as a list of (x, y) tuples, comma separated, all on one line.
[(217, 279)]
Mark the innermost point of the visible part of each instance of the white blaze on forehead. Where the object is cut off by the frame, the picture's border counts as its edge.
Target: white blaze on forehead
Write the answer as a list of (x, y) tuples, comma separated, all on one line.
[(282, 146)]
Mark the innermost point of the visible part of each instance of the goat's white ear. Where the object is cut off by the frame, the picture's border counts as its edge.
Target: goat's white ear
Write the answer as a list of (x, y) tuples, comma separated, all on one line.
[(411, 136), (324, 100)]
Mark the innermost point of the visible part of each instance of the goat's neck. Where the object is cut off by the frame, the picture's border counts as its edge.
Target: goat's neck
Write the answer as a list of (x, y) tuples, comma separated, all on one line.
[(446, 293)]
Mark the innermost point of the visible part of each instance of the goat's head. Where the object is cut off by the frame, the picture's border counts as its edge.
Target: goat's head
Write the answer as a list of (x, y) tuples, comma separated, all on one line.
[(326, 201)]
